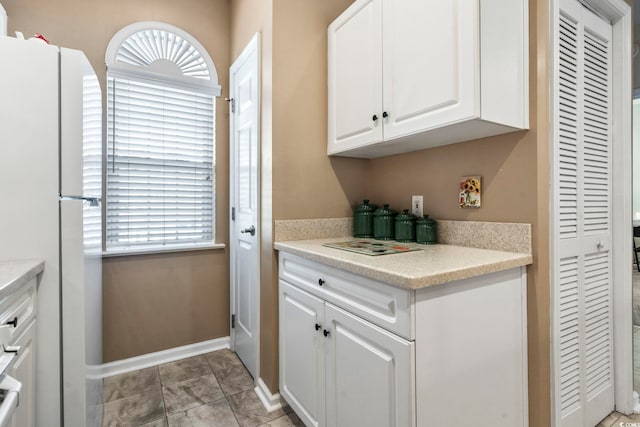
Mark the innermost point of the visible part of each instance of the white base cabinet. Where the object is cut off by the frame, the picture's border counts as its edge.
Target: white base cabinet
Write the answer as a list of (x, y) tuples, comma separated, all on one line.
[(356, 352), (20, 309), (413, 74)]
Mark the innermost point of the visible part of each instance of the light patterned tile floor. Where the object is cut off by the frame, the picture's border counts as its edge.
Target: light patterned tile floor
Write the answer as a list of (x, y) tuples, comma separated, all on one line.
[(212, 390)]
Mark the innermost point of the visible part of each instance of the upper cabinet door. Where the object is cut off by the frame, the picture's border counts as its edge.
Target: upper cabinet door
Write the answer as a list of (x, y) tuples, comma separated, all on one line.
[(430, 66), (354, 77)]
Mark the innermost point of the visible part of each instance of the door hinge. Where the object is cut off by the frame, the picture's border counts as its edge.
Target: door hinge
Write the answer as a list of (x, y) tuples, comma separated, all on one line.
[(233, 321), (233, 214), (232, 101)]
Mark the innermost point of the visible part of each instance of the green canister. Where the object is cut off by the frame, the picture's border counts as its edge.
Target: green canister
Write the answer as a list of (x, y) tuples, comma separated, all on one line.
[(363, 220), (405, 227), (384, 223), (426, 231)]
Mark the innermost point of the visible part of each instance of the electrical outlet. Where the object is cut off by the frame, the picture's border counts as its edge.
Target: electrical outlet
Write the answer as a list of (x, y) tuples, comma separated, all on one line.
[(416, 206)]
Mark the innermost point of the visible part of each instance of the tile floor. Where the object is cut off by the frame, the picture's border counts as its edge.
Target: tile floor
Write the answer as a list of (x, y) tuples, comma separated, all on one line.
[(212, 390), (616, 419)]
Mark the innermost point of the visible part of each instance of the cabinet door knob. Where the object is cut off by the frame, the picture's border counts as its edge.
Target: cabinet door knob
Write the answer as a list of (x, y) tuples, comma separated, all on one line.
[(385, 115), (320, 282), (326, 333), (374, 118), (318, 326), (13, 322)]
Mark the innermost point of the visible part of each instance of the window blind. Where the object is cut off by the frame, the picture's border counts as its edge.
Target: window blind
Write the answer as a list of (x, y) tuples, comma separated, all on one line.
[(160, 166), (92, 161)]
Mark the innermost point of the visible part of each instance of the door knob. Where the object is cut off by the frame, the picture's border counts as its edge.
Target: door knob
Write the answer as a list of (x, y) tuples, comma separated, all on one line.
[(251, 230), (600, 245)]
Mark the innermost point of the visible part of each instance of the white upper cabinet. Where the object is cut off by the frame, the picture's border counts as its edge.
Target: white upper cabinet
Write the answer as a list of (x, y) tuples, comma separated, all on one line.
[(405, 76)]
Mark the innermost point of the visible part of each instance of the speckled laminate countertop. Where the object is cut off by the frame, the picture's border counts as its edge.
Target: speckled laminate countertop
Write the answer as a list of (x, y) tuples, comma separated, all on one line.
[(15, 274), (432, 265)]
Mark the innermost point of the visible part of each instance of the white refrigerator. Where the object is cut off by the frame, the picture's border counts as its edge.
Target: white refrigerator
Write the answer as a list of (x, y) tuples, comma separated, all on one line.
[(50, 187)]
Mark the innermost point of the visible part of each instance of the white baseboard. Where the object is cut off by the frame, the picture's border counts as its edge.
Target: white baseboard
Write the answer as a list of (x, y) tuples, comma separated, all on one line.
[(270, 401), (158, 358)]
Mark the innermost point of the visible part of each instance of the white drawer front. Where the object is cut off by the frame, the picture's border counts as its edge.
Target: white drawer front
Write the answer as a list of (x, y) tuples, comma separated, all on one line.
[(20, 306), (384, 305)]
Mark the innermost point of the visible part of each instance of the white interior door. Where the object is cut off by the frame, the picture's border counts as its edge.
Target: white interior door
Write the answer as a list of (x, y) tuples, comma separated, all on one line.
[(583, 314), (244, 226)]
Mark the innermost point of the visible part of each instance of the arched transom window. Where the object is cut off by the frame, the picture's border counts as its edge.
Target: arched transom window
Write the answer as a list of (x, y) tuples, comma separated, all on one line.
[(161, 89)]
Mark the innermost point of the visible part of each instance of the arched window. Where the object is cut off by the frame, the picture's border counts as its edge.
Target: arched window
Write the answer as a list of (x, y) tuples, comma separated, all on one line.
[(161, 89)]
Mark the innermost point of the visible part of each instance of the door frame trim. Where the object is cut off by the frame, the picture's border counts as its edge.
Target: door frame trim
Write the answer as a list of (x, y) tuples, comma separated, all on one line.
[(253, 45), (620, 15)]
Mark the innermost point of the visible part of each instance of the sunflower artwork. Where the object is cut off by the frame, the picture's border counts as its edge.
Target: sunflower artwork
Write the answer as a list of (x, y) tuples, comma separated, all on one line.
[(470, 192)]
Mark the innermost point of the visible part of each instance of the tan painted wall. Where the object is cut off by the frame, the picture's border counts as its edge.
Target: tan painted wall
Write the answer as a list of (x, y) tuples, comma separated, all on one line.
[(307, 183), (134, 282), (514, 170), (155, 302)]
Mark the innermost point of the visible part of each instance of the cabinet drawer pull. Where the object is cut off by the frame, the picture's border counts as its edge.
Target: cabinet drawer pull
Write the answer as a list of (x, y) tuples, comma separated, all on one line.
[(374, 118), (326, 333), (385, 114), (13, 322), (318, 326), (320, 282), (11, 348)]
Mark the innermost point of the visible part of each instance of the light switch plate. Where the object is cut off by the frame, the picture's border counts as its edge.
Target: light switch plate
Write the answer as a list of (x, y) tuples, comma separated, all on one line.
[(417, 206)]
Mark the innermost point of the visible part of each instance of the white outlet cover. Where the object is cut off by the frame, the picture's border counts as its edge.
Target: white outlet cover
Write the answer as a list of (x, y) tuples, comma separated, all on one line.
[(417, 206)]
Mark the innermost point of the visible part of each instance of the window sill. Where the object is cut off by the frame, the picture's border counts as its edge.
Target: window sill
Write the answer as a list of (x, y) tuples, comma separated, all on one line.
[(151, 251)]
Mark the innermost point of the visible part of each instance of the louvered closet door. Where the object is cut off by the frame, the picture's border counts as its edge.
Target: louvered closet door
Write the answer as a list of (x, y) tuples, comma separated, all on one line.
[(582, 283)]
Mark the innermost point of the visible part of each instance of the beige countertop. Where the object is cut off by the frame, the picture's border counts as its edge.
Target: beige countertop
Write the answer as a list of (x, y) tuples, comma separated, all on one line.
[(432, 265), (15, 274)]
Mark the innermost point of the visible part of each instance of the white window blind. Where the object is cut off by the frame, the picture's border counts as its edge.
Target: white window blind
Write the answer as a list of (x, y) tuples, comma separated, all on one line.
[(92, 160), (160, 166)]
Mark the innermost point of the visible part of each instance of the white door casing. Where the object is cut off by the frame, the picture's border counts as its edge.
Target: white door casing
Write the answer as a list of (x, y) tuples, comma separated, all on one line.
[(244, 229), (588, 240)]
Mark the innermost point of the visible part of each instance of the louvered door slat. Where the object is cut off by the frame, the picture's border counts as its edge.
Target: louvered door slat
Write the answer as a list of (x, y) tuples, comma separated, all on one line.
[(568, 204), (569, 339)]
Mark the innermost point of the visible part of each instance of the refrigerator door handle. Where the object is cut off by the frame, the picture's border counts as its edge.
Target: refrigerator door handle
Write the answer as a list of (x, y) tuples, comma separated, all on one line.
[(93, 201)]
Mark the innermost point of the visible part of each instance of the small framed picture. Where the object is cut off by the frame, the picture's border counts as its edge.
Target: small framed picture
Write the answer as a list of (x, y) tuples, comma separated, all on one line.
[(470, 192)]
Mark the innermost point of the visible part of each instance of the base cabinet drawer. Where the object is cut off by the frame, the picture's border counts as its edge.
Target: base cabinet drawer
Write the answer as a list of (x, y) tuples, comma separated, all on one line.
[(389, 307), (337, 369), (19, 309)]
